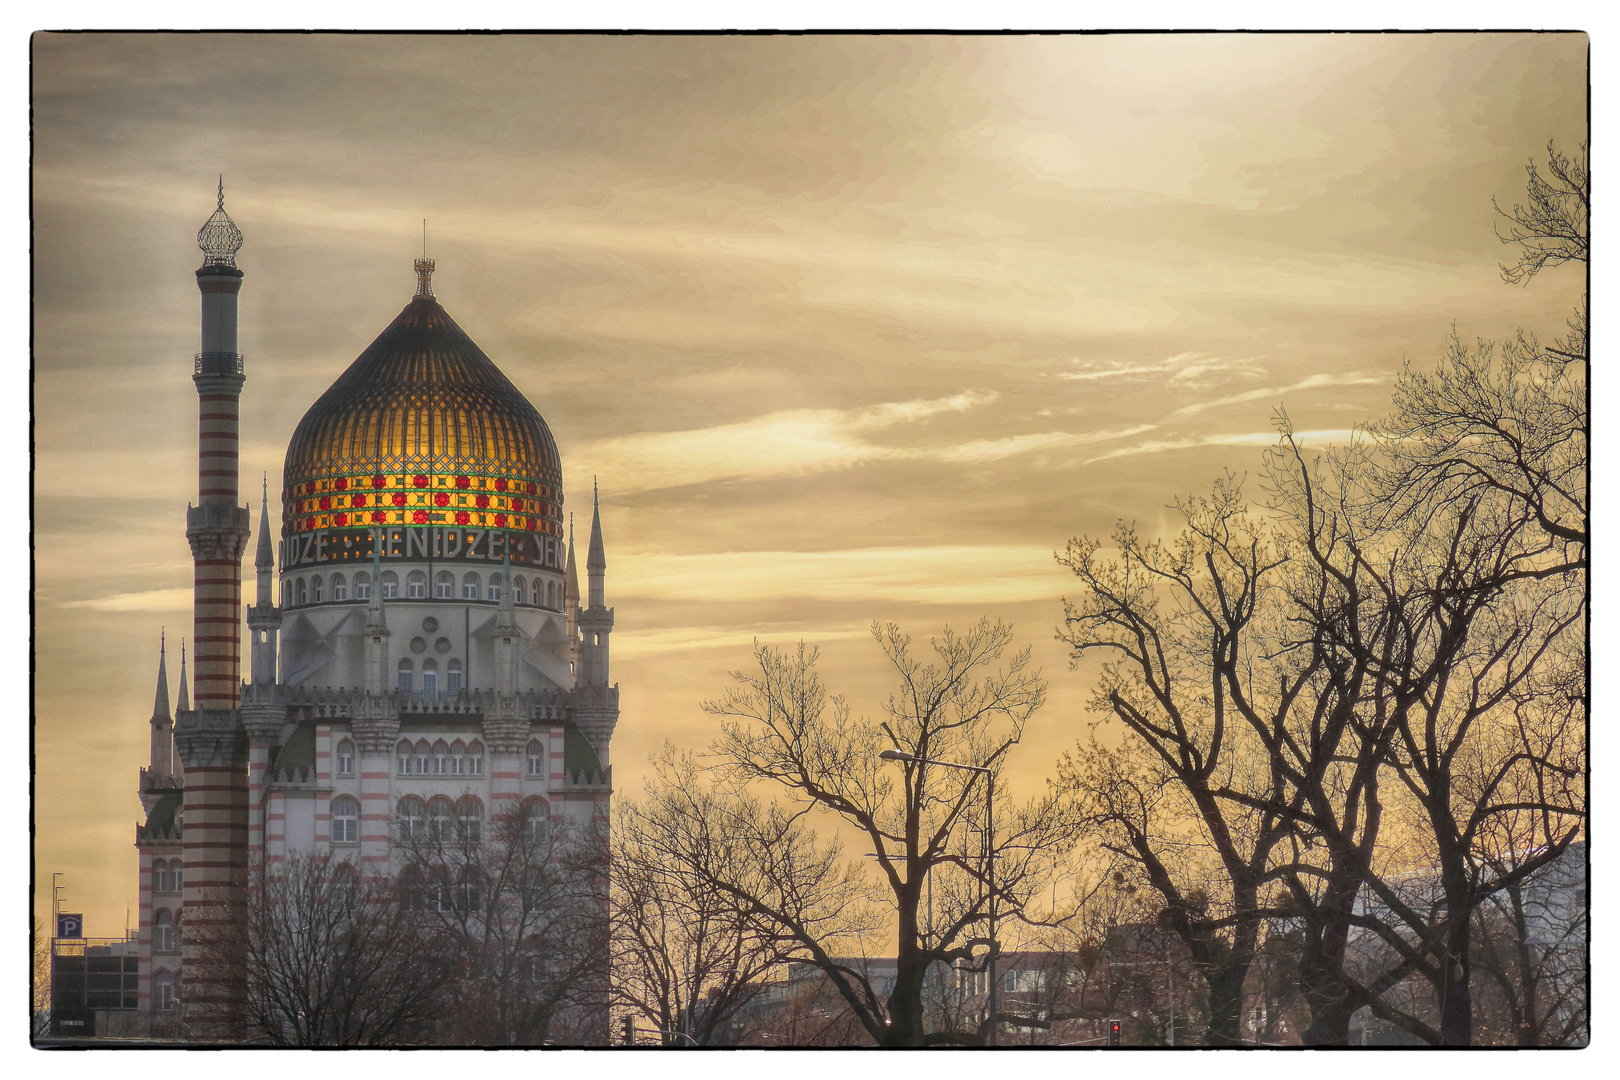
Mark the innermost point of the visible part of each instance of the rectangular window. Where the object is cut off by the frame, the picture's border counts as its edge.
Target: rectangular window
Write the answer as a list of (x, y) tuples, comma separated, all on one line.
[(340, 590), (453, 682), (362, 590), (423, 763), (416, 590), (345, 763), (455, 765), (494, 591), (537, 763), (469, 590), (404, 682), (430, 686), (390, 589), (475, 765), (441, 590), (345, 830), (404, 764)]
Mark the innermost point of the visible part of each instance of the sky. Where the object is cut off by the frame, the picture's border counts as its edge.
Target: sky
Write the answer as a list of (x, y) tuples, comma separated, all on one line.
[(850, 328)]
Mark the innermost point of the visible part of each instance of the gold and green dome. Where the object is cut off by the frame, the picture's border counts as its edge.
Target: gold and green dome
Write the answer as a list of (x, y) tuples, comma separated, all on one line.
[(422, 430)]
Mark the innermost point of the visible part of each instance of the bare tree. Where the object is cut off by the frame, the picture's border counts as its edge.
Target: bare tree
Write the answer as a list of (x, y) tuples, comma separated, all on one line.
[(40, 980), (1192, 801), (320, 958), (923, 820), (517, 908), (686, 957), (1550, 227)]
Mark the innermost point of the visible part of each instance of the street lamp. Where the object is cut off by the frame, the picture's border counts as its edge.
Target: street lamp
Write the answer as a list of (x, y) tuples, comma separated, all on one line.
[(990, 858)]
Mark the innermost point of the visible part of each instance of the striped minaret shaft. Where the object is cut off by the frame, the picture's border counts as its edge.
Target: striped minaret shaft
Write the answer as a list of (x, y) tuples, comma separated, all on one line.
[(209, 737)]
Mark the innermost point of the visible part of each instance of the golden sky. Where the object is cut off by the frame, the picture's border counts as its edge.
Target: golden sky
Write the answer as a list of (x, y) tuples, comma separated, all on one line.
[(850, 328)]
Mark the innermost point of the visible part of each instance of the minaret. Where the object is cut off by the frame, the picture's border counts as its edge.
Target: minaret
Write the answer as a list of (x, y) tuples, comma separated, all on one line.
[(596, 708), (571, 604), (184, 705), (209, 739), (262, 717), (160, 771), (506, 636)]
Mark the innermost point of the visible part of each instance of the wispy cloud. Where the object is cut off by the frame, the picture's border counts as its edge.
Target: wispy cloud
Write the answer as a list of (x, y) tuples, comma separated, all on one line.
[(1188, 370), (156, 600), (1246, 438), (799, 441), (1350, 378), (947, 574)]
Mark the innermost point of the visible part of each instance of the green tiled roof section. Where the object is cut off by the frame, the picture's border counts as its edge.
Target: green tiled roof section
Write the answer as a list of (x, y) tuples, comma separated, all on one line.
[(297, 759), (160, 822), (579, 756)]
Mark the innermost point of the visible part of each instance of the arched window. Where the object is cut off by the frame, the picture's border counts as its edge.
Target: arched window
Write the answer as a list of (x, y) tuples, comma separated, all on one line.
[(340, 589), (315, 589), (362, 586), (518, 595), (345, 886), (457, 759), (441, 820), (469, 894), (345, 758), (475, 758), (430, 680), (412, 815), (345, 821), (390, 585), (407, 763), (469, 586), (444, 585), (494, 587), (424, 757), (452, 677), (537, 759), (301, 590), (178, 869), (416, 586), (160, 875), (536, 824), (413, 884), (163, 991), (470, 817), (404, 683), (534, 889), (163, 936), (441, 759)]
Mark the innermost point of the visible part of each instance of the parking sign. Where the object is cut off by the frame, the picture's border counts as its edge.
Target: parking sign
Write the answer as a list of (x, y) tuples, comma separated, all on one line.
[(69, 926)]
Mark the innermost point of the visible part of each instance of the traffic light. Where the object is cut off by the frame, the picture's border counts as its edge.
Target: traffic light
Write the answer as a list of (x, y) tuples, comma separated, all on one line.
[(629, 1030), (1113, 1033)]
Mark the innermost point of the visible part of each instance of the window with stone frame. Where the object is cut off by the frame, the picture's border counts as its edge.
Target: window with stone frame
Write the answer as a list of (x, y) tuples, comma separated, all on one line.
[(163, 936), (362, 586), (469, 587), (340, 589), (536, 755), (411, 818), (345, 758), (345, 821), (444, 585)]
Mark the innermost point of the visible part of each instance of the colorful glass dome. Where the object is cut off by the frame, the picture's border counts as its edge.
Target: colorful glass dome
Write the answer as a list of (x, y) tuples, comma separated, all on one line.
[(422, 429)]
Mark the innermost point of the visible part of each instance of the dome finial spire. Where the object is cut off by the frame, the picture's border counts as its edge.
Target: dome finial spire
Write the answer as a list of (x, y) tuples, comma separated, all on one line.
[(219, 238)]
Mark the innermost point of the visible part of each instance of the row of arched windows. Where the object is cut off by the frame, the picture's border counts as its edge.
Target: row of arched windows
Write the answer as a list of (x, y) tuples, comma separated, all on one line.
[(440, 819), (406, 683), (313, 590), (168, 876), (440, 759)]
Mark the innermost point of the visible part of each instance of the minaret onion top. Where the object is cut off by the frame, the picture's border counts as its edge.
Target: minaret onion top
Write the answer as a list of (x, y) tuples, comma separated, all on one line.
[(219, 238)]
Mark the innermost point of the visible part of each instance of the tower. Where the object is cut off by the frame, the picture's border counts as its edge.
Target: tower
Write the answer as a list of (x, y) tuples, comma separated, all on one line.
[(209, 738), (262, 711), (596, 709)]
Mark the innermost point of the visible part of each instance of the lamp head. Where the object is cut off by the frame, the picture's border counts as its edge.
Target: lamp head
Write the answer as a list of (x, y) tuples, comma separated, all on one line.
[(896, 755)]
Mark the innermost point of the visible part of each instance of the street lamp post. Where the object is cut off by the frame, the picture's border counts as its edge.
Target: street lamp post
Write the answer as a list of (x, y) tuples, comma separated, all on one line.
[(990, 859)]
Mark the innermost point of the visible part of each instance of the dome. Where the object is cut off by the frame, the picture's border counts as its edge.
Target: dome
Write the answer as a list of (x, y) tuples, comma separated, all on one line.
[(422, 429)]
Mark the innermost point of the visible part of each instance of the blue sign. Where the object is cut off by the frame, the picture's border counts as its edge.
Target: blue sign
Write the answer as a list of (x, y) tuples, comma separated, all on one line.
[(69, 926)]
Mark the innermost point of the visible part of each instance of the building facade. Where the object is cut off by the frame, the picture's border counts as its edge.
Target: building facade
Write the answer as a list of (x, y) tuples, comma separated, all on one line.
[(419, 648)]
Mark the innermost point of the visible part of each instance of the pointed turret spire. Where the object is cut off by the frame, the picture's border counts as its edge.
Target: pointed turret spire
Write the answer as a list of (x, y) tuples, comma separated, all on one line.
[(571, 575), (160, 707), (265, 561), (184, 704), (595, 560)]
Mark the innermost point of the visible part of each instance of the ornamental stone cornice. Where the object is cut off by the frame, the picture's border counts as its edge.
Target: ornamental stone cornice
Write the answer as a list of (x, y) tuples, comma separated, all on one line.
[(210, 738), (215, 531)]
